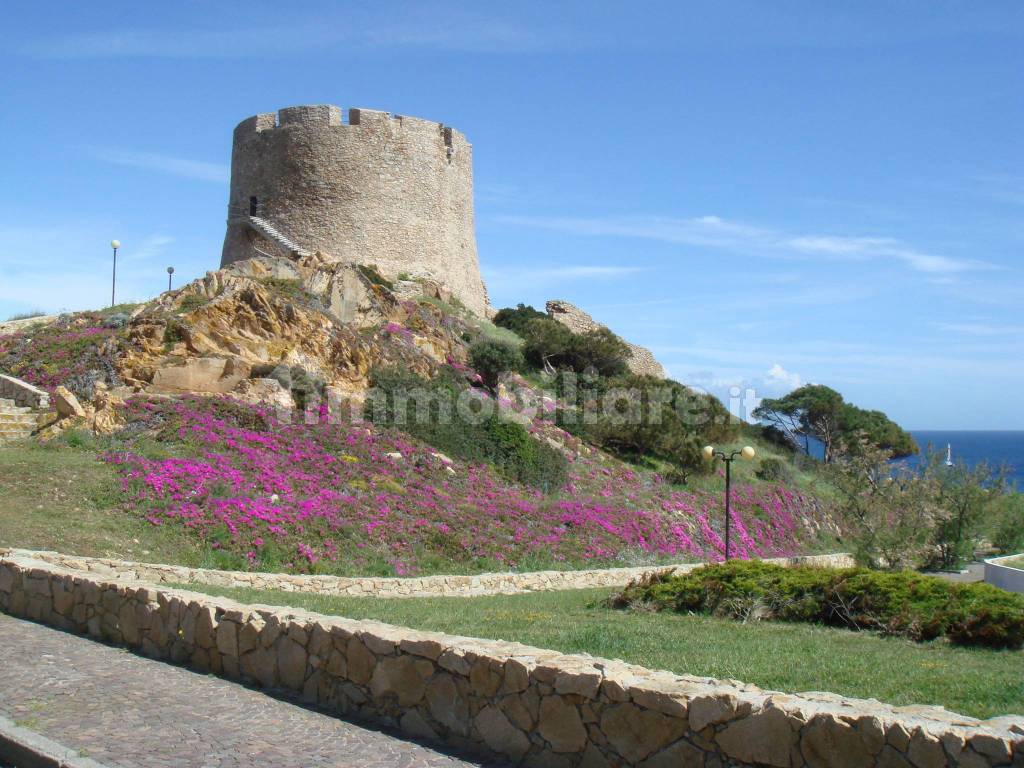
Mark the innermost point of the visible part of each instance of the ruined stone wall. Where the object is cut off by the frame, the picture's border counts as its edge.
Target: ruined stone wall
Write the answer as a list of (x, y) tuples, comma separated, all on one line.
[(22, 393), (507, 583), (527, 705), (641, 360), (381, 189)]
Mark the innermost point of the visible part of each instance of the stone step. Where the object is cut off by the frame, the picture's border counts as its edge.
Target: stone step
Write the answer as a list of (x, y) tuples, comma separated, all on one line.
[(18, 412), (6, 437), (15, 410), (6, 403), (16, 422)]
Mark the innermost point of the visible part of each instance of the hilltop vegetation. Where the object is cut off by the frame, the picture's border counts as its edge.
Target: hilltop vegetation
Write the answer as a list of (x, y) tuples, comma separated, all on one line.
[(393, 433)]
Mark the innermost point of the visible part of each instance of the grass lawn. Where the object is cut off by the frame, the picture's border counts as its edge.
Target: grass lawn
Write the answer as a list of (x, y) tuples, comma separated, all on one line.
[(64, 499), (787, 657)]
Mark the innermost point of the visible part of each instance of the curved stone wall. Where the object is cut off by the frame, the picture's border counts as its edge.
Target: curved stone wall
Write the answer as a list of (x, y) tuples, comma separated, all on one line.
[(525, 705), (1007, 577), (381, 189), (508, 583)]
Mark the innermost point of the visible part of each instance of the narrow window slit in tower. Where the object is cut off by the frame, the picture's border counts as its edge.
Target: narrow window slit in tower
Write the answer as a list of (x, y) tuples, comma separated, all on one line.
[(254, 206)]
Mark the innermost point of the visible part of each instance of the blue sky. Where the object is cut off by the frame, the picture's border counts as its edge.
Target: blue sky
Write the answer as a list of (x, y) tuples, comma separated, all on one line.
[(765, 194)]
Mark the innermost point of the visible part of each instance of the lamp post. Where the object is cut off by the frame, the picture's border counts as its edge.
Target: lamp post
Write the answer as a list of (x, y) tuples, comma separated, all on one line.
[(115, 244), (746, 452), (170, 271)]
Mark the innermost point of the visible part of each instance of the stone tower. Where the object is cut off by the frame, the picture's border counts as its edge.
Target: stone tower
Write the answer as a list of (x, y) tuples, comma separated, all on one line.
[(381, 189)]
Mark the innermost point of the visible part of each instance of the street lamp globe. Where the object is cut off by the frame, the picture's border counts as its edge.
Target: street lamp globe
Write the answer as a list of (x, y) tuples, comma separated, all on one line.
[(708, 451), (115, 244), (748, 452)]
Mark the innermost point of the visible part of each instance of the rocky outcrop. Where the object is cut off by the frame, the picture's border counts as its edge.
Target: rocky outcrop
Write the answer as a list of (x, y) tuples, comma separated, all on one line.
[(230, 330), (525, 705), (641, 360), (99, 415)]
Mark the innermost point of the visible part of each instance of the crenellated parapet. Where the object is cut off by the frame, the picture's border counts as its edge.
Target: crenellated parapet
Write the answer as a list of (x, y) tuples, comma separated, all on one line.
[(368, 187)]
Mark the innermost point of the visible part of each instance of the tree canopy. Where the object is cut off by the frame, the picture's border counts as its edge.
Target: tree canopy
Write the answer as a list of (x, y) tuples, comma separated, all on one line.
[(817, 412)]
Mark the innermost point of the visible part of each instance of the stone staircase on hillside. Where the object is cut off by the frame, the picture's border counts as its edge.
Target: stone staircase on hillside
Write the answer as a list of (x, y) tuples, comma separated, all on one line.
[(15, 422), (280, 239)]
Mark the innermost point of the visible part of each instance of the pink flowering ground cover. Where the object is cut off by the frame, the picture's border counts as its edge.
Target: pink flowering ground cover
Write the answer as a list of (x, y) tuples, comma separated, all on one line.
[(55, 354), (335, 498)]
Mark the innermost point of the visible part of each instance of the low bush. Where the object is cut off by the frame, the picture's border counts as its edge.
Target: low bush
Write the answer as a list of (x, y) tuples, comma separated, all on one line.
[(440, 413), (902, 603), (549, 343), (517, 319), (774, 471), (492, 360), (1007, 528), (371, 273), (637, 417), (26, 315)]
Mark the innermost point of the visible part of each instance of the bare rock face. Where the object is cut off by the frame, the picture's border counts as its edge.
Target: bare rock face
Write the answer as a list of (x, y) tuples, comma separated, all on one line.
[(226, 332), (66, 403), (641, 360)]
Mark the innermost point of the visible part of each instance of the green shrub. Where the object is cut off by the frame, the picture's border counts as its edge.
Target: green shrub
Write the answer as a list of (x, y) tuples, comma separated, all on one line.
[(774, 470), (26, 315), (285, 287), (904, 603), (493, 359), (549, 343), (429, 410), (174, 331), (370, 272), (192, 301), (1008, 529), (641, 416), (517, 319)]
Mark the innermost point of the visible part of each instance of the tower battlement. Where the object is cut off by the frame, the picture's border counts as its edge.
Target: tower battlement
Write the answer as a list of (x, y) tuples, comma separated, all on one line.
[(375, 188), (330, 116)]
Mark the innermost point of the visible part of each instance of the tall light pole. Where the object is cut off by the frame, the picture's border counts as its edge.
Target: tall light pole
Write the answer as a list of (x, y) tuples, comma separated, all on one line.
[(115, 244), (710, 453), (170, 271)]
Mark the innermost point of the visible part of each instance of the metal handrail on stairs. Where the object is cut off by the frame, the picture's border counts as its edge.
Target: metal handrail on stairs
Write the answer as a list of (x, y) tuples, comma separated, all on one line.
[(267, 229)]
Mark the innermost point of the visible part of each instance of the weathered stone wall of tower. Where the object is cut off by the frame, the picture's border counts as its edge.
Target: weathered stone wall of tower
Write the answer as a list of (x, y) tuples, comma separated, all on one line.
[(396, 192)]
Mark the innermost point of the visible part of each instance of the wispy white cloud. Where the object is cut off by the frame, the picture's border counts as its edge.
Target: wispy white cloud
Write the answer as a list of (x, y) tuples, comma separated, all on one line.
[(1005, 187), (716, 232), (417, 27), (199, 170), (778, 377), (148, 248), (981, 329), (533, 277)]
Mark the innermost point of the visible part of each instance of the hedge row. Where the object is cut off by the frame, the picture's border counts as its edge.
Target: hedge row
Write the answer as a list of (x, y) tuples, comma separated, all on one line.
[(902, 603)]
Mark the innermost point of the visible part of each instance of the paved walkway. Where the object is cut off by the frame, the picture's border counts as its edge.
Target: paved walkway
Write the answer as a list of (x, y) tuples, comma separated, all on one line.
[(973, 572), (125, 710)]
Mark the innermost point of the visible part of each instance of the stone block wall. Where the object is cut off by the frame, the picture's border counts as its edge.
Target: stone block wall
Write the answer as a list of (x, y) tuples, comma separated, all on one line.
[(22, 393), (641, 360), (507, 583), (529, 706), (383, 189)]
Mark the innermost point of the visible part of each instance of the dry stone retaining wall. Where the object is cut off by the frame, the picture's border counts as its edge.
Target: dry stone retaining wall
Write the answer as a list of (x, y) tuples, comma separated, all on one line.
[(426, 586), (530, 706)]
